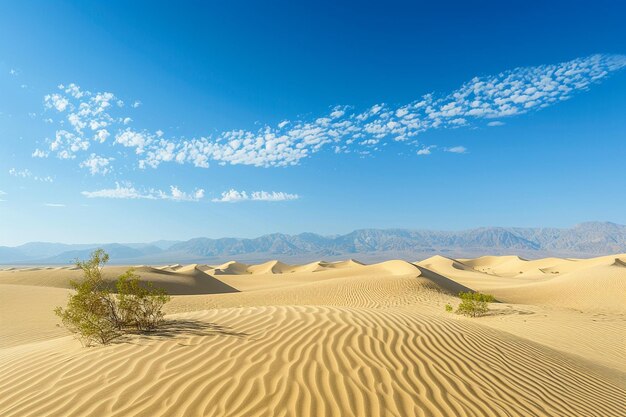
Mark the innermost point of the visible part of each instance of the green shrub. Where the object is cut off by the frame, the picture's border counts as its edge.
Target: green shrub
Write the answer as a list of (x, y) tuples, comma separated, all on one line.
[(140, 304), (91, 312), (96, 315), (474, 304), (449, 308)]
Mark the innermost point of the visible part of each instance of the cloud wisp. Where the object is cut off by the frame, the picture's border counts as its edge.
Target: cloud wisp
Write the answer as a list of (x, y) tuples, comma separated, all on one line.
[(27, 174), (97, 164), (128, 192), (456, 149), (426, 150), (234, 196), (95, 119)]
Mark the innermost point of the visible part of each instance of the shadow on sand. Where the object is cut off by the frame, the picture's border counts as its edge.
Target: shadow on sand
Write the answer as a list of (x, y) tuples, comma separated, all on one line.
[(509, 311), (173, 329)]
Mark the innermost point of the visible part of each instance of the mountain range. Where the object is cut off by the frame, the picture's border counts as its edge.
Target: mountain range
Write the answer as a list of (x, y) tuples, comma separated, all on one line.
[(583, 240)]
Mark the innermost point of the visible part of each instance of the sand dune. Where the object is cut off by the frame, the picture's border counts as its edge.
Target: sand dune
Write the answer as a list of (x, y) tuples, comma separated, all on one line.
[(306, 361), (597, 284), (350, 263), (598, 288), (619, 262), (310, 267), (326, 339), (441, 261), (368, 290), (271, 267), (184, 280), (231, 268), (26, 314)]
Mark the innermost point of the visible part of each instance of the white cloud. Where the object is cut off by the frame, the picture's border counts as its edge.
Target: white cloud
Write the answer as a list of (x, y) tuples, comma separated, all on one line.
[(66, 144), (27, 174), (133, 139), (102, 135), (457, 149), (495, 123), (343, 129), (337, 113), (273, 196), (84, 118), (54, 205), (38, 153), (234, 196), (426, 150), (97, 164), (136, 104), (178, 195), (126, 190), (57, 102), (13, 72), (73, 90)]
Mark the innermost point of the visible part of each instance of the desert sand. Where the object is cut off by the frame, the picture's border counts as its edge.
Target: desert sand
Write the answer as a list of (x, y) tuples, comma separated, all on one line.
[(331, 339)]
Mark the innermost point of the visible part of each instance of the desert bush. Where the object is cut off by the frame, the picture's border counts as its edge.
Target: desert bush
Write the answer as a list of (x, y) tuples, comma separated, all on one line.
[(449, 308), (95, 315), (91, 312), (474, 304), (140, 304)]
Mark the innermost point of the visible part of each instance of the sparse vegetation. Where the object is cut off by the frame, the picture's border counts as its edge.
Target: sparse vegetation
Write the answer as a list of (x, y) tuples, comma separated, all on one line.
[(474, 304), (449, 308), (96, 315), (140, 304)]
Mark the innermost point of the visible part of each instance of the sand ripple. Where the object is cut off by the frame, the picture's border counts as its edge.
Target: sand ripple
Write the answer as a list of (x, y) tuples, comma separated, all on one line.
[(305, 361)]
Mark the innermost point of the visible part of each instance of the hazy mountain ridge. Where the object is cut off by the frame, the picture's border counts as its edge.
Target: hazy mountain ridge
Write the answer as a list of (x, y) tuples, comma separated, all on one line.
[(585, 239)]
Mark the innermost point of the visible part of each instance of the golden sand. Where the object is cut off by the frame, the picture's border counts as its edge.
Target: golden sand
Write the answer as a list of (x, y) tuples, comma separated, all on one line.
[(331, 339)]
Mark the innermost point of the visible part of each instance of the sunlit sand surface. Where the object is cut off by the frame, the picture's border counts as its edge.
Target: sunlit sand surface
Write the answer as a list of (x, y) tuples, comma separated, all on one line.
[(331, 339)]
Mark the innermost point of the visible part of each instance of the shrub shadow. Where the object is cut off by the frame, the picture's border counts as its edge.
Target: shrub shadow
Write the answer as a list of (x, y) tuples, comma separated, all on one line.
[(509, 312), (172, 329)]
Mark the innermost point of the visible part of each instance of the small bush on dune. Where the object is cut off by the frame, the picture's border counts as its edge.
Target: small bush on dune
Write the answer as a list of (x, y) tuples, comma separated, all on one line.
[(96, 315), (140, 304), (474, 304), (449, 308), (91, 312)]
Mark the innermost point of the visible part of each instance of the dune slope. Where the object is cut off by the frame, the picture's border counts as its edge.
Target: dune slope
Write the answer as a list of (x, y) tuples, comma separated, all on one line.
[(331, 339), (181, 280), (305, 361)]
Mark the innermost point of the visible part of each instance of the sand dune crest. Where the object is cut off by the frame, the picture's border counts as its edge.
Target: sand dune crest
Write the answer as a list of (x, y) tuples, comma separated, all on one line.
[(331, 338)]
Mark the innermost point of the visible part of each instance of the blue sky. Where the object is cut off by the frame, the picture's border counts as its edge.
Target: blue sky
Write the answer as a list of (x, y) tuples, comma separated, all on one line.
[(138, 121)]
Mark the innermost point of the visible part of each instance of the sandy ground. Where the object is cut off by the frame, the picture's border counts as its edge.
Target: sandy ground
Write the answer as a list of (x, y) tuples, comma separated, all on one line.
[(331, 339)]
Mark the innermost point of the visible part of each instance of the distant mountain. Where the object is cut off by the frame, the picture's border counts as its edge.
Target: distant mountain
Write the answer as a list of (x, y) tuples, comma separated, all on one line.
[(587, 239), (61, 253), (583, 240), (115, 251)]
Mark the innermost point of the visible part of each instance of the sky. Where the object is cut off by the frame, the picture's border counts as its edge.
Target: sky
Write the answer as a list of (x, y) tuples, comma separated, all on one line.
[(139, 121)]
